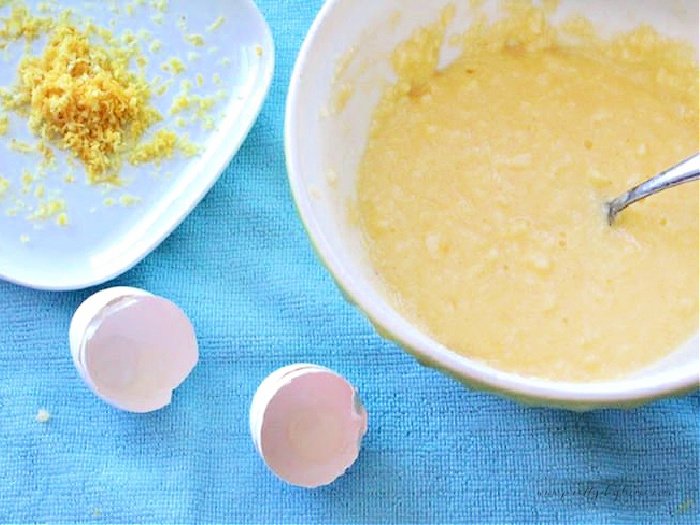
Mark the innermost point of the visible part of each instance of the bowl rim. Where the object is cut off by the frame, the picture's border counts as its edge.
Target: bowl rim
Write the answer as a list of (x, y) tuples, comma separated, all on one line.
[(390, 324)]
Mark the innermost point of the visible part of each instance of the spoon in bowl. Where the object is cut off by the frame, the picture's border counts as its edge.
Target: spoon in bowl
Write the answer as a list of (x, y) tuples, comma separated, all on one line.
[(685, 171)]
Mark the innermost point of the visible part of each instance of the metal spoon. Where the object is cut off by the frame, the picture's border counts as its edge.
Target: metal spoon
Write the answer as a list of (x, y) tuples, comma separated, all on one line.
[(686, 171)]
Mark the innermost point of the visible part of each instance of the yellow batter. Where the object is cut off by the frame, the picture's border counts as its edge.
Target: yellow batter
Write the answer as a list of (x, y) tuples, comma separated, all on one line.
[(482, 187)]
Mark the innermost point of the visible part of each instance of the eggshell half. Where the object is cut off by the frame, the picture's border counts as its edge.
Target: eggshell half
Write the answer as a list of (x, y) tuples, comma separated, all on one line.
[(307, 423), (132, 348)]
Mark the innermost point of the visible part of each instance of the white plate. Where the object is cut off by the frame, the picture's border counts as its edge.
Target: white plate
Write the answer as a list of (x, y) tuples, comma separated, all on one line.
[(102, 241)]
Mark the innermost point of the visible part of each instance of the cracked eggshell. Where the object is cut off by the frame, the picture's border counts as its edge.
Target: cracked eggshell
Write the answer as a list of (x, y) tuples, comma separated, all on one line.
[(132, 348), (307, 423)]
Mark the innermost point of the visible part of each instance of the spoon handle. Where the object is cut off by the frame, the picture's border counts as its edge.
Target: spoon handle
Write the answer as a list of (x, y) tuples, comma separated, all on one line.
[(685, 171)]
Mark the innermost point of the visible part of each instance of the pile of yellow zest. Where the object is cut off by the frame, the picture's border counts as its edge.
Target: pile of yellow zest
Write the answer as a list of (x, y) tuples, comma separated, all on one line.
[(83, 97)]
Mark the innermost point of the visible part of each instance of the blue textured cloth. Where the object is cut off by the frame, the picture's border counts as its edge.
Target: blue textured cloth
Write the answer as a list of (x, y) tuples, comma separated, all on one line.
[(242, 267)]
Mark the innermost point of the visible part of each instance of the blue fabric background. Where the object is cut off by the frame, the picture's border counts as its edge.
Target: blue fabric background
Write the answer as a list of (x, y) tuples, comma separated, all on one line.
[(242, 267)]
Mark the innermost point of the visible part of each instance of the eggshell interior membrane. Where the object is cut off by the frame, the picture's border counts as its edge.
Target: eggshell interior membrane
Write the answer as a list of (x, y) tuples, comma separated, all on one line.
[(266, 391), (312, 428), (84, 318), (137, 350)]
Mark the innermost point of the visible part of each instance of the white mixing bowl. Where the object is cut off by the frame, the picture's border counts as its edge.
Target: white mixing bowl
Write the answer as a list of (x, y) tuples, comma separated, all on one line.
[(350, 42)]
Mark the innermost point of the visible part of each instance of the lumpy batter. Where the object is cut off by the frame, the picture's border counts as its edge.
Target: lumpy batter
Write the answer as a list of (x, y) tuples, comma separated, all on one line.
[(481, 196)]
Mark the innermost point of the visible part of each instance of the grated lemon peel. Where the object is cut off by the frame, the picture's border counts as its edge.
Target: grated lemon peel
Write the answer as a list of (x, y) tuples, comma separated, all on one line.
[(85, 93), (83, 97)]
